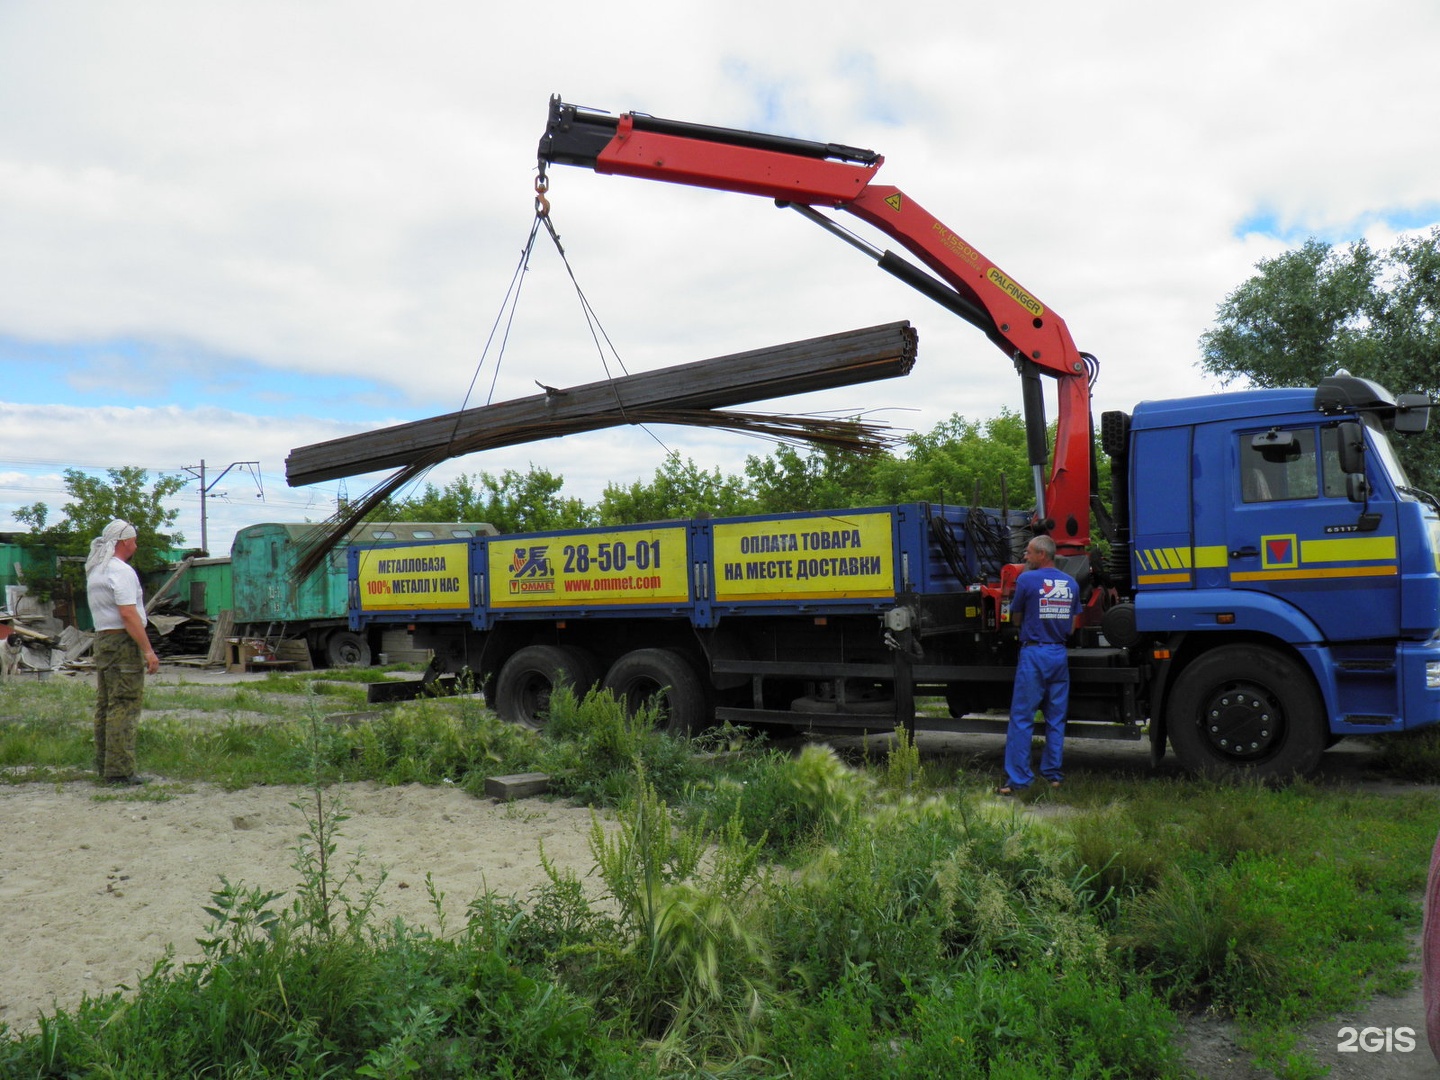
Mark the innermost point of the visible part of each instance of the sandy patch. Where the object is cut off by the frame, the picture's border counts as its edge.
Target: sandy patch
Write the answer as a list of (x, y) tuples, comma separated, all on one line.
[(93, 889)]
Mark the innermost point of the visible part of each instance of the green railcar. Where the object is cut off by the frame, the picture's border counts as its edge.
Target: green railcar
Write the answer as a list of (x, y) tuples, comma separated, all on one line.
[(269, 601)]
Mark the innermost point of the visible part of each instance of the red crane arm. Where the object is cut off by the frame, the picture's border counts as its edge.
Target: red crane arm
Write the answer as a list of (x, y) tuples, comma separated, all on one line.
[(810, 174)]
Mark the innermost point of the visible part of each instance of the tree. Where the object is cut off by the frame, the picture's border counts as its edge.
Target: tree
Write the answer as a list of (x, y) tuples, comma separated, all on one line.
[(962, 461), (512, 502), (1315, 310), (94, 503), (955, 462), (679, 490), (823, 479)]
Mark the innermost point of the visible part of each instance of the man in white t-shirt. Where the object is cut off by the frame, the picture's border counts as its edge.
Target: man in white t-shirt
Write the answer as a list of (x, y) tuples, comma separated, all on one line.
[(123, 654)]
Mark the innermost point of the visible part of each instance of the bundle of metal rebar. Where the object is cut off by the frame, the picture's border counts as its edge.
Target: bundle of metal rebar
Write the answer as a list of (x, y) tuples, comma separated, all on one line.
[(689, 394), (879, 352), (856, 436)]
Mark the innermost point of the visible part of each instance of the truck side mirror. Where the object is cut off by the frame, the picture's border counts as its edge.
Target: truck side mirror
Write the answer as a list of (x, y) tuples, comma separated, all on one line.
[(1357, 488), (1352, 449), (1412, 413)]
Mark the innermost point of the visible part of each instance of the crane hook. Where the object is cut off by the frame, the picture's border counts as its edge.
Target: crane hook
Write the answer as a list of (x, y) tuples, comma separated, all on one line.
[(542, 204)]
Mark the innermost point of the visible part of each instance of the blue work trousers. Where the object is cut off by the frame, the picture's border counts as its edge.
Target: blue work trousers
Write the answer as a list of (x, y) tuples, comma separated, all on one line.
[(1042, 683)]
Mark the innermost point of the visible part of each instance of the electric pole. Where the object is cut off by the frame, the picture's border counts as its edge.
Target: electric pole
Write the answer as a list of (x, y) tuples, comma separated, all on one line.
[(198, 471)]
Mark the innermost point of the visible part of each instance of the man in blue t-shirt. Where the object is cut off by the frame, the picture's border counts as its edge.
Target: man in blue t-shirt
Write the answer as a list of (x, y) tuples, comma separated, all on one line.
[(1046, 605)]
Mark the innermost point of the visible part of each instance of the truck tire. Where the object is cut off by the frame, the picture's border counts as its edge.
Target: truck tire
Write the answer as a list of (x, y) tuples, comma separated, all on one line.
[(522, 692), (584, 668), (1246, 711), (960, 700), (346, 649), (645, 673)]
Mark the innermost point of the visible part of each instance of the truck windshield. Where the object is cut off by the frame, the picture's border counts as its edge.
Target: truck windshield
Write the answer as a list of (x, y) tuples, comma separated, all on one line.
[(1386, 454)]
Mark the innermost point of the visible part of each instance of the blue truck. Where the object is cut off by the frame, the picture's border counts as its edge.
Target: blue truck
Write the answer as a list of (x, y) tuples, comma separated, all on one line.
[(1266, 580), (1274, 586)]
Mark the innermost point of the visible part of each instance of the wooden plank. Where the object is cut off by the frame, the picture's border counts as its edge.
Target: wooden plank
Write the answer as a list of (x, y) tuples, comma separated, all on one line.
[(822, 363), (408, 689), (516, 786), (220, 632), (164, 590), (296, 651)]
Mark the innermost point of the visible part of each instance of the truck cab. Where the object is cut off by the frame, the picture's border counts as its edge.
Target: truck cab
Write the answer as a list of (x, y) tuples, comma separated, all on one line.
[(1285, 569)]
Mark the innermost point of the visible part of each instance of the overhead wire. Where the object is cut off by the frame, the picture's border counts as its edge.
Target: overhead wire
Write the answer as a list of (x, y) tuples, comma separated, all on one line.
[(592, 322), (854, 435)]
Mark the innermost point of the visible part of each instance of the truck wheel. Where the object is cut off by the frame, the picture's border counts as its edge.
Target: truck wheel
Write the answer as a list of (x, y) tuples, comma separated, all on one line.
[(960, 700), (584, 668), (646, 673), (346, 649), (1246, 711), (522, 692)]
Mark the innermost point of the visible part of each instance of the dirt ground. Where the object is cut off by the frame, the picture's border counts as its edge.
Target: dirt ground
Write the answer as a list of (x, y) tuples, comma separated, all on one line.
[(95, 883), (94, 888)]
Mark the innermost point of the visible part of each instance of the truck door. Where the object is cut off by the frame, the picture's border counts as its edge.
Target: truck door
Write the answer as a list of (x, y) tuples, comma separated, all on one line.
[(1294, 533)]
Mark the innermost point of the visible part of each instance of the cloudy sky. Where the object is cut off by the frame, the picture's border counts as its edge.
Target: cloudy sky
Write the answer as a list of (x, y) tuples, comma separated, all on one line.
[(233, 229)]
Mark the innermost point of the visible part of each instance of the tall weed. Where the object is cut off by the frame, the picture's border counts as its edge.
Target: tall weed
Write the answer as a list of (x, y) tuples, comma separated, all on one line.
[(437, 740), (989, 1019), (920, 884), (692, 964), (593, 745), (785, 802)]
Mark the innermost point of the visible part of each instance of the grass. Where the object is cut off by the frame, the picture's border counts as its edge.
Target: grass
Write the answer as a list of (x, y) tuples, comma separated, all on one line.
[(761, 914)]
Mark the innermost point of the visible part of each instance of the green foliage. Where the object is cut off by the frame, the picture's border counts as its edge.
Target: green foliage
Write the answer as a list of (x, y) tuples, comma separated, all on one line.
[(1314, 310), (680, 489), (902, 763), (917, 932), (1411, 756), (919, 884), (316, 990), (1234, 936), (43, 729), (959, 458), (823, 478), (1260, 903), (593, 746), (993, 1020), (958, 461), (786, 802), (94, 503), (512, 502), (436, 740), (689, 953)]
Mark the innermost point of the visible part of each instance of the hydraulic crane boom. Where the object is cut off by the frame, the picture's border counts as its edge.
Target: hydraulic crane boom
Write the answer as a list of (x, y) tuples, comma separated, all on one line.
[(806, 175)]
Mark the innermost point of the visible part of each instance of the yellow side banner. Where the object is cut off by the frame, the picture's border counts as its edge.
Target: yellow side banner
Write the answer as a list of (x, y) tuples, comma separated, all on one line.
[(828, 556), (423, 577), (630, 566)]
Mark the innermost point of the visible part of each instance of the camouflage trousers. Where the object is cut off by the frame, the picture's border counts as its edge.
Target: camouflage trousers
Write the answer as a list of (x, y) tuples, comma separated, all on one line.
[(120, 690)]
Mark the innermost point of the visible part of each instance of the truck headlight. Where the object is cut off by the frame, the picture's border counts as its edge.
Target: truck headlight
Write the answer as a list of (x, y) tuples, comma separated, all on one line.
[(1432, 675)]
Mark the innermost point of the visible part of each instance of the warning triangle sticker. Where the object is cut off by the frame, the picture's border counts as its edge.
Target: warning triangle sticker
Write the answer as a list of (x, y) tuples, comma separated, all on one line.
[(895, 201), (1279, 550)]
